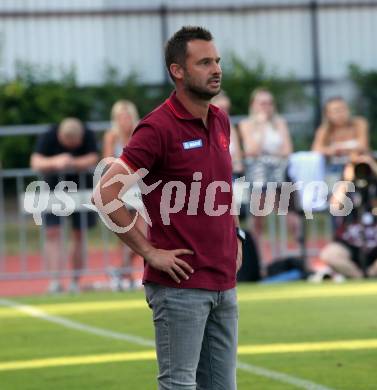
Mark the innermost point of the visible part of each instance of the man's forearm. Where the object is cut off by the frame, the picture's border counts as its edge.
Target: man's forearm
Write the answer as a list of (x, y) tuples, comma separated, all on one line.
[(121, 218), (85, 162), (133, 238), (42, 164)]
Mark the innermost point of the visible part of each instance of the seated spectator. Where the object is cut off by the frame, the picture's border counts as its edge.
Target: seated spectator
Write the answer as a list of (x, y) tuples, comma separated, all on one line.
[(265, 139), (222, 101), (124, 118), (67, 147), (340, 135), (353, 253), (266, 143)]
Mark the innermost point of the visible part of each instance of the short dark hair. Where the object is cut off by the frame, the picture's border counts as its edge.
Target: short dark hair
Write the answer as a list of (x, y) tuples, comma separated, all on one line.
[(176, 47)]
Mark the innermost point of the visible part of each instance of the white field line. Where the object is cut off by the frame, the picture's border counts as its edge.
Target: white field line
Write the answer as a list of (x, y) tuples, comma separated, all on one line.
[(340, 291), (250, 368), (37, 313), (281, 377)]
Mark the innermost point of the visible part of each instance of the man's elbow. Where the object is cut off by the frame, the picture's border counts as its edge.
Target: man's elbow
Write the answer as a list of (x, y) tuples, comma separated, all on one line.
[(94, 158), (34, 163)]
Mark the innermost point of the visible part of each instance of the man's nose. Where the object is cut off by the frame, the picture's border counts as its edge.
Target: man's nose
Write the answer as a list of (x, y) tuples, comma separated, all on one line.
[(217, 69)]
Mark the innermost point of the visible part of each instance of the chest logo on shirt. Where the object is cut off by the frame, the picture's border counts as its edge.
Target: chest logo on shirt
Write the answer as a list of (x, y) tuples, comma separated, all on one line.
[(196, 143), (223, 141)]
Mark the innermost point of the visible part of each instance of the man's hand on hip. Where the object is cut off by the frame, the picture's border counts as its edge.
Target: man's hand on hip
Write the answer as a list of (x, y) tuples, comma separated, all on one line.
[(167, 261)]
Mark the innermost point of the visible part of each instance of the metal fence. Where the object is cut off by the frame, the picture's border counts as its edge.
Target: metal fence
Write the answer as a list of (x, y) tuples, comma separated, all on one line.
[(314, 40), (23, 243)]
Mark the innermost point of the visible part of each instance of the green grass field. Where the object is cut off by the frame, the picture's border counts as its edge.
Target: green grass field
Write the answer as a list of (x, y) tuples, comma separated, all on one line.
[(290, 336)]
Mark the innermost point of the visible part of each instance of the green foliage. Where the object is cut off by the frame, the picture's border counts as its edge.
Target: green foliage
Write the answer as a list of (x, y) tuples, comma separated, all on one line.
[(35, 96), (241, 78), (115, 87), (38, 95), (15, 151), (366, 103)]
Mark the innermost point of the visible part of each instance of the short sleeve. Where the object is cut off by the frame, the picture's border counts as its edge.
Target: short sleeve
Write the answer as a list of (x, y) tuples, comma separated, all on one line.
[(90, 143), (45, 141), (144, 149)]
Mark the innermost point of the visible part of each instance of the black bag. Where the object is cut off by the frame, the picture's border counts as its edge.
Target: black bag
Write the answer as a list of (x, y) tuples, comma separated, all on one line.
[(250, 269), (280, 266)]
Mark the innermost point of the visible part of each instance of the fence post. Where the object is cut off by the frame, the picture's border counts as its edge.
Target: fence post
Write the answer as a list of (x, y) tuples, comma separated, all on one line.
[(316, 62), (164, 38), (2, 224), (21, 220)]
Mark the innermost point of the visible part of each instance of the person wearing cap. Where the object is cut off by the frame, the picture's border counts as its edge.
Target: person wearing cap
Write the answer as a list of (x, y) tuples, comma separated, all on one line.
[(193, 248), (65, 152)]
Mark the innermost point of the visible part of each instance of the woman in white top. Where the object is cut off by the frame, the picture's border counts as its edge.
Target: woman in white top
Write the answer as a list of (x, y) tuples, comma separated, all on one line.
[(340, 134), (265, 138), (266, 144), (124, 119)]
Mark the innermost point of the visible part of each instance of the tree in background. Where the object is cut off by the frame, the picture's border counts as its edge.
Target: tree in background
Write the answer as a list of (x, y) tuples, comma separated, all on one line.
[(37, 96), (366, 102), (240, 78)]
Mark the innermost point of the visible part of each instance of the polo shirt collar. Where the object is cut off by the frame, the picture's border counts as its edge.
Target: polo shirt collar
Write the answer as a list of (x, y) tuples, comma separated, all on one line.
[(180, 111)]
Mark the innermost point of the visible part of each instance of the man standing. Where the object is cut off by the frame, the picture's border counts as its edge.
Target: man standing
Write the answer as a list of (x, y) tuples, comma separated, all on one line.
[(184, 145), (68, 147)]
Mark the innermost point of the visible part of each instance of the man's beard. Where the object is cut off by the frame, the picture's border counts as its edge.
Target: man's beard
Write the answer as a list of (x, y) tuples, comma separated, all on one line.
[(199, 92)]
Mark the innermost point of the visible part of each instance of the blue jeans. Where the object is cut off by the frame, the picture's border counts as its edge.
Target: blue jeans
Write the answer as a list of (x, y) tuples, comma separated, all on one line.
[(196, 337)]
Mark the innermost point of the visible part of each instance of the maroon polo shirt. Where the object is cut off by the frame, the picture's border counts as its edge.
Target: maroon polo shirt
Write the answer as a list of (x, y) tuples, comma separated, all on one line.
[(173, 145)]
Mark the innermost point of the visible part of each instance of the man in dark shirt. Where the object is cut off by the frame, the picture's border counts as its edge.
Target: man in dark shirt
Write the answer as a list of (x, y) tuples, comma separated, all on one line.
[(184, 146), (61, 154)]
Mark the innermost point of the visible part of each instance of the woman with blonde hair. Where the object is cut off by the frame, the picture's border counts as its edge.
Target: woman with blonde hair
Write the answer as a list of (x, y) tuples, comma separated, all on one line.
[(340, 134), (265, 136), (124, 119), (266, 144)]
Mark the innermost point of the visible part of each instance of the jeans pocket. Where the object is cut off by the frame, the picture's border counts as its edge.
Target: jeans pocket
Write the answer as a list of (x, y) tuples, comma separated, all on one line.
[(152, 292)]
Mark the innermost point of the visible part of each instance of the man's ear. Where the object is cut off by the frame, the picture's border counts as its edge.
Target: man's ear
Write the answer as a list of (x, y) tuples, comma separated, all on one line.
[(177, 71)]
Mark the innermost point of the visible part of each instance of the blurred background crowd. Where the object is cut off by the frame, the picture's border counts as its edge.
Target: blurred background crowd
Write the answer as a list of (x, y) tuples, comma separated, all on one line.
[(299, 82)]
